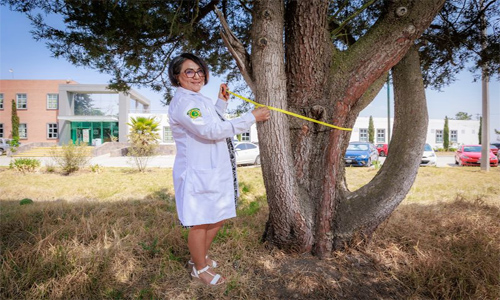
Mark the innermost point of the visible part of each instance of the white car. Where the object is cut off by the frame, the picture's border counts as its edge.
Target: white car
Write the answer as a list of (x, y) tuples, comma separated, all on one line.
[(247, 153), (4, 145), (429, 157)]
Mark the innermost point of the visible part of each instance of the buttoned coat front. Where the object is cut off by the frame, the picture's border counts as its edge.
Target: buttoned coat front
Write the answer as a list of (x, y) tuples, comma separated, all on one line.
[(202, 173)]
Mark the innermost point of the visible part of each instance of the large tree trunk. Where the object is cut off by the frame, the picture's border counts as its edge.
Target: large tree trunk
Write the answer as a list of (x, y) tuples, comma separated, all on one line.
[(287, 223), (360, 213), (311, 208)]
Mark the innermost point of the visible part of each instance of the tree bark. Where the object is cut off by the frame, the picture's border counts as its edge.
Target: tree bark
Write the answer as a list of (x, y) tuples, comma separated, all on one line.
[(362, 211), (286, 224), (311, 208)]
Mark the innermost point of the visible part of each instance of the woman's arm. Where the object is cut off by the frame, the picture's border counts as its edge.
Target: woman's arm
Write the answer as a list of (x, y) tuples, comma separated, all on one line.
[(195, 117)]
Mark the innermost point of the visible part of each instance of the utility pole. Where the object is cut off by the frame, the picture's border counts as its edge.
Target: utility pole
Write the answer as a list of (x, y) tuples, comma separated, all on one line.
[(388, 111), (485, 134)]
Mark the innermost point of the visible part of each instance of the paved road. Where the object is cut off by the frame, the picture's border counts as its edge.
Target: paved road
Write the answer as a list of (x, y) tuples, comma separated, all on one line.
[(107, 161), (442, 161), (168, 161)]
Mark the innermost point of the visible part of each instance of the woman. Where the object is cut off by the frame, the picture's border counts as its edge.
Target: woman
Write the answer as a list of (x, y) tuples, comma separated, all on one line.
[(204, 171)]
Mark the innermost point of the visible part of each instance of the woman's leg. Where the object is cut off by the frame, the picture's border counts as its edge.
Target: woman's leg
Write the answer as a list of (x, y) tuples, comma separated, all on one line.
[(211, 233), (196, 244), (197, 240)]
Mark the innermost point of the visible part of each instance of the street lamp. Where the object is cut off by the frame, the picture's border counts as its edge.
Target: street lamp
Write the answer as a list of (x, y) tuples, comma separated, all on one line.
[(12, 72)]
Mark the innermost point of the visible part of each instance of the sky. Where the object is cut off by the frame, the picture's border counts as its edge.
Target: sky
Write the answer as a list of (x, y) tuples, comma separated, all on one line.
[(21, 57)]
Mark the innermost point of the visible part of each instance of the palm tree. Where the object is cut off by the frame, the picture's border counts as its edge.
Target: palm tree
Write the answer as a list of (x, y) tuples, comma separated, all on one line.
[(143, 139), (144, 125)]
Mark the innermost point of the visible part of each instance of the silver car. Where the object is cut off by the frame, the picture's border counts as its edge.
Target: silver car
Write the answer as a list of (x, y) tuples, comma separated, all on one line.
[(247, 153)]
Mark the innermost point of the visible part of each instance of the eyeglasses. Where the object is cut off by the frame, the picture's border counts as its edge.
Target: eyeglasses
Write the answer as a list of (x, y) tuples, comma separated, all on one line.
[(190, 73)]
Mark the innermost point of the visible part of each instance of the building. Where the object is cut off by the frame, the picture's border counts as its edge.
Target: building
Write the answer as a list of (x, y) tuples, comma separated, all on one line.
[(166, 133), (59, 111), (461, 131)]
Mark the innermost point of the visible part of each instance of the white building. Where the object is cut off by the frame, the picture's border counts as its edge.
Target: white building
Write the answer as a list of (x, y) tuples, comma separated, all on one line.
[(166, 133), (461, 132)]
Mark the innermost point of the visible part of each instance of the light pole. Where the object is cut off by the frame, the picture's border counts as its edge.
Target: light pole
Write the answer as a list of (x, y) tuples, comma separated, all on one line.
[(12, 72), (485, 138), (388, 111)]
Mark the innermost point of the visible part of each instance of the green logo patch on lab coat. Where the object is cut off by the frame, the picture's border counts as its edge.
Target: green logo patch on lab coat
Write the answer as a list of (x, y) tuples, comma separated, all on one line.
[(194, 113)]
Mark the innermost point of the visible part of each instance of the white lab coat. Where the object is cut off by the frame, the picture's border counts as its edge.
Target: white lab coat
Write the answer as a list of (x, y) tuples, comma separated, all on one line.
[(203, 179)]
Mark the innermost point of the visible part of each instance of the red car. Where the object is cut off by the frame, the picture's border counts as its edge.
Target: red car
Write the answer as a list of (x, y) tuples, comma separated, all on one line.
[(470, 155), (494, 149), (382, 149)]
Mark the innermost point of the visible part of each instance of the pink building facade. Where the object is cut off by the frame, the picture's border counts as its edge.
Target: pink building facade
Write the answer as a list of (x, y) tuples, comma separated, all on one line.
[(37, 103), (60, 111)]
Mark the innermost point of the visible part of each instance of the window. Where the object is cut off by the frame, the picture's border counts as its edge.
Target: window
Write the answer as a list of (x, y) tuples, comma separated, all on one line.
[(439, 136), (167, 135), (22, 101), (1, 130), (363, 135), (52, 101), (23, 131), (454, 136), (245, 146), (245, 137), (52, 131), (380, 135), (1, 101)]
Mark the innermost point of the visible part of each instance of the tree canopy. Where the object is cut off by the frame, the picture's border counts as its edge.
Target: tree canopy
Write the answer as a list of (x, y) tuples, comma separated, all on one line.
[(133, 40), (461, 115)]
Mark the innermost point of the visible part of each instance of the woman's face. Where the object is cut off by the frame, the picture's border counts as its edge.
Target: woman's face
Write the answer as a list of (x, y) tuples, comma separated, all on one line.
[(191, 83)]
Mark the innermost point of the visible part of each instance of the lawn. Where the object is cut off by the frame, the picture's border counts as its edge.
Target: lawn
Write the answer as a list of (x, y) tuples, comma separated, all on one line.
[(114, 235)]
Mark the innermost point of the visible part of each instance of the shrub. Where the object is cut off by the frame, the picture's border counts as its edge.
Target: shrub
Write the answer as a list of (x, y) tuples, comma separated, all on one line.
[(96, 168), (14, 144), (49, 167), (25, 201), (72, 157), (25, 164)]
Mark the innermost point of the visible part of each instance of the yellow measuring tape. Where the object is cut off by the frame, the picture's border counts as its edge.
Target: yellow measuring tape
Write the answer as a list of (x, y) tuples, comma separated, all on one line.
[(289, 113)]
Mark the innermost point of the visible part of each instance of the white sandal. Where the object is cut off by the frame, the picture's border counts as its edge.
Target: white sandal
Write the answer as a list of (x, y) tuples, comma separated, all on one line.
[(195, 274), (213, 266)]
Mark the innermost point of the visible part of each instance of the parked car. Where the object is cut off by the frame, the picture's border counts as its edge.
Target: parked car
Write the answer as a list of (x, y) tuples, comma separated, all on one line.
[(470, 155), (4, 145), (429, 157), (494, 149), (247, 153), (498, 146), (383, 149), (360, 154)]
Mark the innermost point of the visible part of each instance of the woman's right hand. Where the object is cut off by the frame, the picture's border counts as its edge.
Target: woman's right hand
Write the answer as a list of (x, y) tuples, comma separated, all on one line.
[(261, 114)]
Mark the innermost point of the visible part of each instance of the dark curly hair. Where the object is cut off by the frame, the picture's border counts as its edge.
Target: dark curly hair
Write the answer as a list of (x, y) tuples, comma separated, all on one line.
[(174, 68)]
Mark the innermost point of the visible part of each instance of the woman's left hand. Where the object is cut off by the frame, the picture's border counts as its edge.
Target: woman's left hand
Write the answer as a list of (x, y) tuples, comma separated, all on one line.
[(223, 93)]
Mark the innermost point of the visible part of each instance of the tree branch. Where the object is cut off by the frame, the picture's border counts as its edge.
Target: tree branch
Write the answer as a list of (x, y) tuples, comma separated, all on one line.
[(386, 43), (346, 21), (206, 10), (401, 166), (237, 50)]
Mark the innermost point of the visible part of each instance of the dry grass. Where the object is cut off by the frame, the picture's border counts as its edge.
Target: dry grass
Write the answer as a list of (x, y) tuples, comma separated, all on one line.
[(114, 235)]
